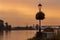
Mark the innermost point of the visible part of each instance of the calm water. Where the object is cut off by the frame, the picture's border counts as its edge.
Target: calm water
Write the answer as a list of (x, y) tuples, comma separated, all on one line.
[(17, 35)]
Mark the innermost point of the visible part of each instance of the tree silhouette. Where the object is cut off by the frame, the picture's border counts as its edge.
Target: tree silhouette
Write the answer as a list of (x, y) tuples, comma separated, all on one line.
[(40, 16), (1, 25)]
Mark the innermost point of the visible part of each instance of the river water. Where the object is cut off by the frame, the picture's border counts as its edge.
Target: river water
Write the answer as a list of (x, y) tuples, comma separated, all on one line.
[(17, 35)]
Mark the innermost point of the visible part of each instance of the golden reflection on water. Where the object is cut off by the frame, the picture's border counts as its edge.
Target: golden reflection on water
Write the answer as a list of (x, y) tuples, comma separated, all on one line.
[(1, 35), (17, 35)]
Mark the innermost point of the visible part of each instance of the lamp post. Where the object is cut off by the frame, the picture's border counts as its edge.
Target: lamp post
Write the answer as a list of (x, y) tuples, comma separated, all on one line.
[(40, 16)]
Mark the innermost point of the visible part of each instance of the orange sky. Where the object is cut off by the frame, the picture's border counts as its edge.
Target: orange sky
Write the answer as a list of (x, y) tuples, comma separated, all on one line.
[(22, 12)]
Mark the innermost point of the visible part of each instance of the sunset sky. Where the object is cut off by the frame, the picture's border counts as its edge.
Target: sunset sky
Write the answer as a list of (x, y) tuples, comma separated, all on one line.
[(22, 12)]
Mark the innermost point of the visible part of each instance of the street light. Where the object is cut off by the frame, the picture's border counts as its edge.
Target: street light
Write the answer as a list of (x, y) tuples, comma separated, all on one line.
[(40, 16), (39, 6)]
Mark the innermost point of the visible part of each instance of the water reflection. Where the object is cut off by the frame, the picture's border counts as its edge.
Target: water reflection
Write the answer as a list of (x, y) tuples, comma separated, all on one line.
[(7, 35), (16, 35), (1, 35)]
